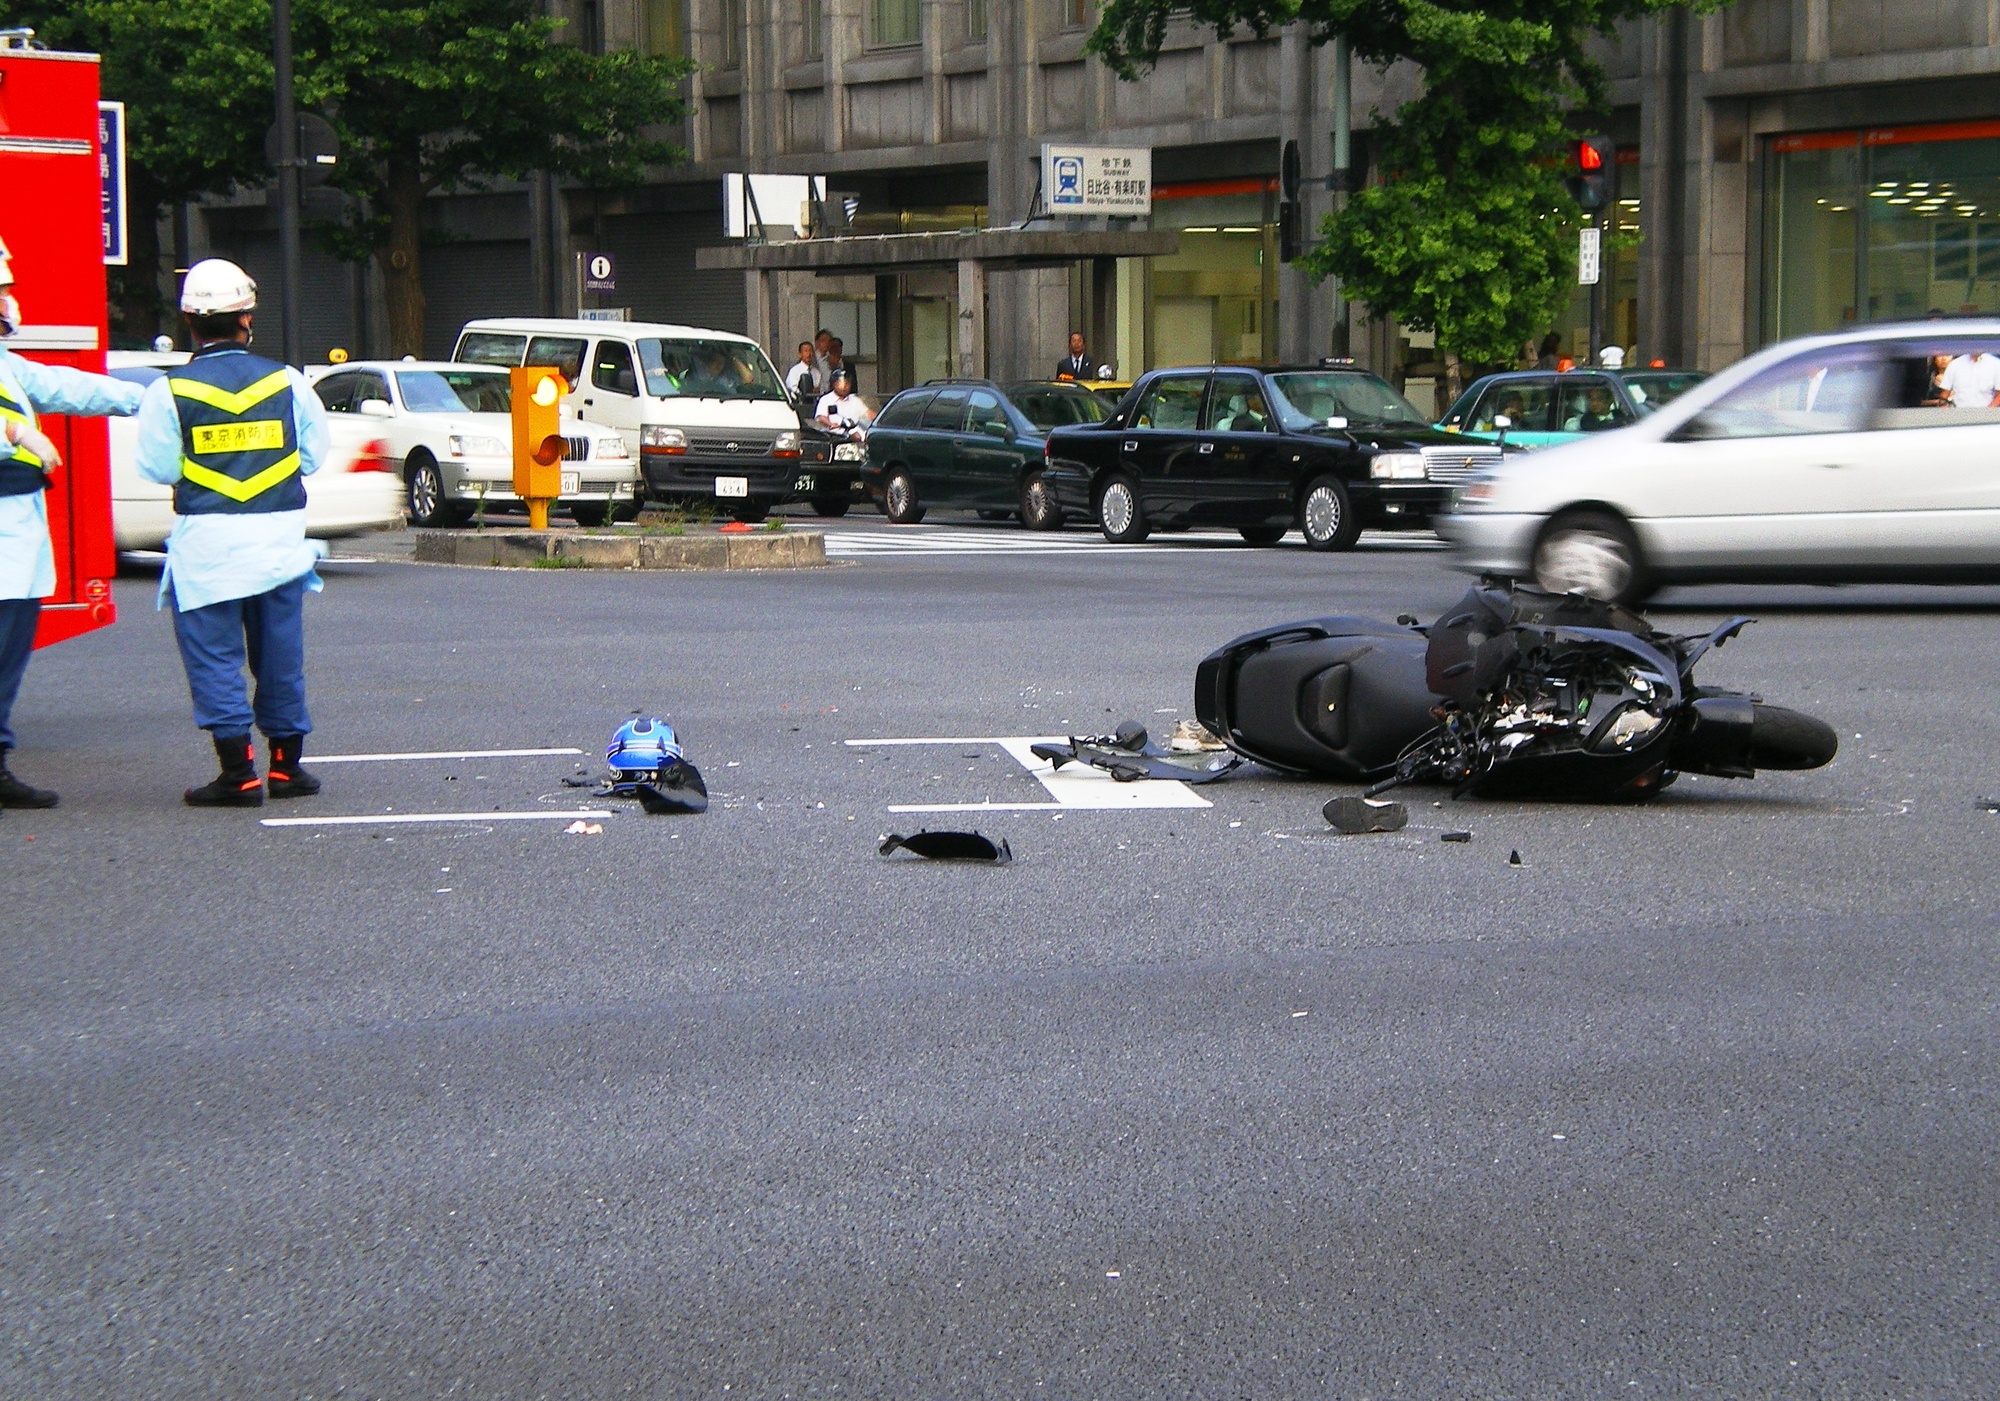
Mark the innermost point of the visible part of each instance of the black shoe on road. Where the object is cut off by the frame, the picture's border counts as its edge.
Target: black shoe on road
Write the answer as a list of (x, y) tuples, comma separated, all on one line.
[(16, 794), (237, 786), (286, 779)]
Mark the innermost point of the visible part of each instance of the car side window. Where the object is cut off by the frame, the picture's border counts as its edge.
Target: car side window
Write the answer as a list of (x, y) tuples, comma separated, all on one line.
[(1236, 405), (1171, 401), (368, 387), (906, 410), (1590, 406), (983, 409), (489, 348), (337, 392), (1524, 402), (611, 368), (562, 352), (946, 411), (1836, 390), (1943, 384)]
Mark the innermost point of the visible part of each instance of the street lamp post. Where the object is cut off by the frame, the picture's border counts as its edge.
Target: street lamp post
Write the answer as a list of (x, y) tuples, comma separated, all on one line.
[(1343, 158), (288, 183)]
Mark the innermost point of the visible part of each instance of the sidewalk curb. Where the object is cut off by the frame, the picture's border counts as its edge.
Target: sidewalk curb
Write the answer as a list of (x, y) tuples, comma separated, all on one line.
[(525, 549)]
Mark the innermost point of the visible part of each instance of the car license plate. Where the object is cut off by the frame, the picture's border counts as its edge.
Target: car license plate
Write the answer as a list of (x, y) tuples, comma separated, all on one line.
[(732, 486), (804, 483), (572, 483)]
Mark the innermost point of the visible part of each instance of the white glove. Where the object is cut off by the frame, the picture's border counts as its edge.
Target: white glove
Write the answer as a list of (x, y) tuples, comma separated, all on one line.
[(37, 442)]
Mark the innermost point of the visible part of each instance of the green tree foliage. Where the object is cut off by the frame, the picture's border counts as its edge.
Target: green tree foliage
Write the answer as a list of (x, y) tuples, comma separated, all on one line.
[(426, 94), (1471, 233), (446, 94)]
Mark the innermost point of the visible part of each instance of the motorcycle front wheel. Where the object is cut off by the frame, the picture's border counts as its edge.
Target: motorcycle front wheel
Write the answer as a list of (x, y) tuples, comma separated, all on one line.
[(1789, 739)]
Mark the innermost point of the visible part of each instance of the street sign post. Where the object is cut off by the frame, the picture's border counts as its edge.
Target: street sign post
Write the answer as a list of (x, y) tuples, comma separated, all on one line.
[(600, 272), (1097, 179), (1589, 256)]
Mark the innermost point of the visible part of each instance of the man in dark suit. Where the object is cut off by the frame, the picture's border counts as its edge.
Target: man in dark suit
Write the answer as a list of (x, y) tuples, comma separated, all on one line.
[(1077, 364)]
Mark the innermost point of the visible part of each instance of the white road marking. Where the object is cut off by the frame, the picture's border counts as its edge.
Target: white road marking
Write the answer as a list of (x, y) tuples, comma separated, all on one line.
[(380, 819), (1075, 786), (439, 754)]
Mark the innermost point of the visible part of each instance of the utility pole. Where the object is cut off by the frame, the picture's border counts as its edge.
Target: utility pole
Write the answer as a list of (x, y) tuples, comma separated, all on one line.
[(1343, 158), (289, 296)]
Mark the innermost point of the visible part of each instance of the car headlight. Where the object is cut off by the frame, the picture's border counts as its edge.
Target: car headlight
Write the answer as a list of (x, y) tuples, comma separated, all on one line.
[(786, 444), (610, 447), (474, 445), (850, 452), (658, 435), (1397, 467)]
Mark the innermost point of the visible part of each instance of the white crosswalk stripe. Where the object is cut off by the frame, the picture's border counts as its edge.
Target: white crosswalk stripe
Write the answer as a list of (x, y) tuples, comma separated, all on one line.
[(909, 540)]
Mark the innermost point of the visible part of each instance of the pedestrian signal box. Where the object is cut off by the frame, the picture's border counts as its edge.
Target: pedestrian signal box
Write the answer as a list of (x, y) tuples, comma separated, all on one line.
[(1594, 171), (51, 154), (538, 441)]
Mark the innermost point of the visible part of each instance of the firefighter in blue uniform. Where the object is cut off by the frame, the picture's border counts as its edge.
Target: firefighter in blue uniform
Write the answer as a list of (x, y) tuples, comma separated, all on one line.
[(27, 560), (236, 435)]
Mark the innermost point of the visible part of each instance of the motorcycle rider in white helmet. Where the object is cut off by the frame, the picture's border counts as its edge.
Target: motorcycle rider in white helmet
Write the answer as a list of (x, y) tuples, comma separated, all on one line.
[(27, 458), (235, 435)]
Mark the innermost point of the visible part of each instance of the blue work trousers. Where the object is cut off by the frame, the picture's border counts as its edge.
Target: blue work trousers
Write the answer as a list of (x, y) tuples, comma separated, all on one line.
[(18, 617), (266, 631)]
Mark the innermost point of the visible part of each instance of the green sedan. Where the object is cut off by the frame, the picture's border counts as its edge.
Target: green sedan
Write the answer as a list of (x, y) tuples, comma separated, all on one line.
[(971, 444)]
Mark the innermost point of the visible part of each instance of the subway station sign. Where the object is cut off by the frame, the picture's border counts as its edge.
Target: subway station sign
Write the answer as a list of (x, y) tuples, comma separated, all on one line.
[(1097, 179)]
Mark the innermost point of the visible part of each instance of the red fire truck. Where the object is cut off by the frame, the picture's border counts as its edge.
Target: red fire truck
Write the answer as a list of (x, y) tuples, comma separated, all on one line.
[(49, 160)]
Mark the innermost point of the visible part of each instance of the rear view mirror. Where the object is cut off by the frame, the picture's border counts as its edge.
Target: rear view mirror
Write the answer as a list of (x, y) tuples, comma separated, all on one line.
[(1502, 422), (994, 430), (1336, 422), (377, 408)]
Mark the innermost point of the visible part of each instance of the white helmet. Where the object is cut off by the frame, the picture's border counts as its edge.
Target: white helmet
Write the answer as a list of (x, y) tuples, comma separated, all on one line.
[(215, 286), (1611, 356)]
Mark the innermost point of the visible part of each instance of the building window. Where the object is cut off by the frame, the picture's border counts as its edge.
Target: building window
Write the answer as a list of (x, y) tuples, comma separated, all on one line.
[(590, 26), (812, 28), (731, 20), (975, 21), (1888, 223), (664, 27), (892, 23), (1076, 14)]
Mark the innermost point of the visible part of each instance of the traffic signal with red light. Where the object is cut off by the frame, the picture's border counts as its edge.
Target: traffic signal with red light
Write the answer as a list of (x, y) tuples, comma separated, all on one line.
[(1594, 171)]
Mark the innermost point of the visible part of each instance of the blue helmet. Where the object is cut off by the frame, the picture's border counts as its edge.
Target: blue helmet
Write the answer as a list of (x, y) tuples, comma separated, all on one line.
[(642, 746)]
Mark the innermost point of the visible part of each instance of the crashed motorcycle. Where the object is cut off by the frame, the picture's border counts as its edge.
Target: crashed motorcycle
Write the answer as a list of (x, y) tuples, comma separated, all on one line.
[(1511, 693)]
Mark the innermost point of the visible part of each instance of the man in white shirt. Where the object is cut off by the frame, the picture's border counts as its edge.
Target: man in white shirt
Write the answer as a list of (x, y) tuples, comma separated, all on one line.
[(841, 410), (802, 380), (1972, 381)]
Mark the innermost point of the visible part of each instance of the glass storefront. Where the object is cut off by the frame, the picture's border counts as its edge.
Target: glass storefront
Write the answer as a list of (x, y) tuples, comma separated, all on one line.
[(1215, 301), (1883, 224)]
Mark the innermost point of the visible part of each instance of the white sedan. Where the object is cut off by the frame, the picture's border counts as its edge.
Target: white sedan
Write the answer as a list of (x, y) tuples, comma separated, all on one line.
[(1869, 456), (349, 495), (444, 428)]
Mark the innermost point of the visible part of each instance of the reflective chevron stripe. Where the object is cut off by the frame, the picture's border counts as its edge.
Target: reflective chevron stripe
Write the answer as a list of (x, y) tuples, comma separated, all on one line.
[(228, 486)]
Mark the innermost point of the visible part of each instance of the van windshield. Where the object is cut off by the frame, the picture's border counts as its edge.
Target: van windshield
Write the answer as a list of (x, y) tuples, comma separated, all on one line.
[(705, 369)]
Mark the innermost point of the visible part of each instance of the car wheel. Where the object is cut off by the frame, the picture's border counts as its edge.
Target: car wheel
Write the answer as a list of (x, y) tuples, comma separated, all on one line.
[(899, 499), (589, 514), (1038, 508), (1326, 516), (1592, 553), (1121, 515), (1261, 534), (750, 512), (428, 503), (830, 507)]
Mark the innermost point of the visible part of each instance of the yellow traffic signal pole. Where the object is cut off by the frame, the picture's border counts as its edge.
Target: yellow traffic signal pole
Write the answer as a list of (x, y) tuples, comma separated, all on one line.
[(536, 410)]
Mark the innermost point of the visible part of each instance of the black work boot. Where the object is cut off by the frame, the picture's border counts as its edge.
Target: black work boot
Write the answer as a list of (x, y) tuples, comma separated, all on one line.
[(16, 794), (286, 779), (238, 785)]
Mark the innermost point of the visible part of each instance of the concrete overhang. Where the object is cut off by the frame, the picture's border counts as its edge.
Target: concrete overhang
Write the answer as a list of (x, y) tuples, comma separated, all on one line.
[(992, 249)]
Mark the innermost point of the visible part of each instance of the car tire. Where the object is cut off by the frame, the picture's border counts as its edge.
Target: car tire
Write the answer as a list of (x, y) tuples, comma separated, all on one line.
[(750, 512), (1593, 553), (1121, 515), (830, 507), (424, 493), (1038, 507), (899, 499), (1261, 534), (1326, 516), (590, 514)]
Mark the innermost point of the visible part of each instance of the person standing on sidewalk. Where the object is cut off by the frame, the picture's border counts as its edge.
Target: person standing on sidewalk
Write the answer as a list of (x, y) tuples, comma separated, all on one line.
[(27, 456), (236, 435)]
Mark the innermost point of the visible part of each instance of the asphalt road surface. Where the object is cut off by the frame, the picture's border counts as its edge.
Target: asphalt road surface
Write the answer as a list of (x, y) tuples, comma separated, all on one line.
[(1196, 1101)]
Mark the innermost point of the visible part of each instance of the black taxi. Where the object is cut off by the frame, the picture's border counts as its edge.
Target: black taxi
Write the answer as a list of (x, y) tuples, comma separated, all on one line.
[(1324, 449)]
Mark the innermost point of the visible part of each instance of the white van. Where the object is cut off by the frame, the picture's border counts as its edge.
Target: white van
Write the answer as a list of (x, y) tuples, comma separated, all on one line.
[(704, 409)]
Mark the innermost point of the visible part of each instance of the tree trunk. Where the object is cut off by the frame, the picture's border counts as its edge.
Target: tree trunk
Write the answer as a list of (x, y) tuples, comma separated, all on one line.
[(401, 259), (1454, 380)]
